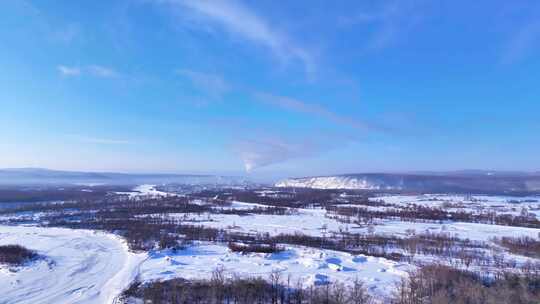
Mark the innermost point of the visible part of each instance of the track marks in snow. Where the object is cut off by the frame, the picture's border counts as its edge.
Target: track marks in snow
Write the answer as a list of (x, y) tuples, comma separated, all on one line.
[(88, 267)]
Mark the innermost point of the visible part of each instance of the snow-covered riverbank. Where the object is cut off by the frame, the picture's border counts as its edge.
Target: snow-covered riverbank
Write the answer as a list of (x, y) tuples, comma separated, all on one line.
[(80, 267)]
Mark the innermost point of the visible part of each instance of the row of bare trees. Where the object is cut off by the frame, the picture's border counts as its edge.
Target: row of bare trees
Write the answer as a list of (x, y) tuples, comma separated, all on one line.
[(419, 213), (439, 284), (231, 289), (431, 284)]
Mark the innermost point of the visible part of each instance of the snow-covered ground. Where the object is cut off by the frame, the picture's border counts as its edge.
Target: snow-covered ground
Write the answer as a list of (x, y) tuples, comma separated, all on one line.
[(92, 267), (307, 221), (469, 203), (307, 266), (333, 182), (471, 231), (80, 266), (146, 191), (315, 222)]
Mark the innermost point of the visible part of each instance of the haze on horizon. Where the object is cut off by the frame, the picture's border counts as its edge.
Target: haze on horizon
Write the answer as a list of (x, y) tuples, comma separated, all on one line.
[(299, 88)]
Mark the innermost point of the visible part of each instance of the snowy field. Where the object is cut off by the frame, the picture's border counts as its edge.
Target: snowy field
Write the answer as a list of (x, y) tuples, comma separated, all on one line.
[(470, 203), (316, 222), (307, 266), (307, 221), (90, 267), (80, 266), (146, 190)]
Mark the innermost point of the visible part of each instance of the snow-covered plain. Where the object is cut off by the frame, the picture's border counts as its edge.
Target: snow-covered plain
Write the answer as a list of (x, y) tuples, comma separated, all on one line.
[(92, 267), (307, 264), (80, 266), (470, 203), (307, 221), (145, 190), (316, 222), (333, 182)]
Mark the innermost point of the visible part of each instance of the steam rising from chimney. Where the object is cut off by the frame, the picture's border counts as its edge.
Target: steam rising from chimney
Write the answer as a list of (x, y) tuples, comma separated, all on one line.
[(256, 154)]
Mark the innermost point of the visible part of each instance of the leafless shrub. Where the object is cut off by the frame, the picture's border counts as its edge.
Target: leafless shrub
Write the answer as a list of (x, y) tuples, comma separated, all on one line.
[(16, 255), (258, 248)]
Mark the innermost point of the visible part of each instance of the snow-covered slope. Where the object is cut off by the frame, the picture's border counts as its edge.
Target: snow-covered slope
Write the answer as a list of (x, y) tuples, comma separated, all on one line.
[(428, 182), (335, 182), (81, 266)]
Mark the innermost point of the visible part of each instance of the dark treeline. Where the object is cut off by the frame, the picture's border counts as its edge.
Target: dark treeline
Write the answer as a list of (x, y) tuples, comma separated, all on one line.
[(258, 248), (297, 198), (55, 193), (419, 213), (524, 245), (259, 210), (437, 284), (120, 206), (363, 202)]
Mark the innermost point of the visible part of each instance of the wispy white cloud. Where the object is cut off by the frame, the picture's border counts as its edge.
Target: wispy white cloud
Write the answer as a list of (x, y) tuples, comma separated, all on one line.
[(239, 20), (99, 141), (68, 71), (263, 150), (213, 85), (309, 108), (66, 34), (93, 70), (391, 21), (523, 42), (102, 71)]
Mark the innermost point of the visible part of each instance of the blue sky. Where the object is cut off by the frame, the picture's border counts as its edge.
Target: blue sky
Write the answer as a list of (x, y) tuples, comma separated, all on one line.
[(279, 88)]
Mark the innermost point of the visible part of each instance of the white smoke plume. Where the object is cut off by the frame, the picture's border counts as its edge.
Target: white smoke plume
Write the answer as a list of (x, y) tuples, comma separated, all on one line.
[(260, 153), (265, 151)]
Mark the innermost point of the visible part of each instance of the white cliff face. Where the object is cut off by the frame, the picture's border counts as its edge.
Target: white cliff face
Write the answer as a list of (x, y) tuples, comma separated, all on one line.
[(333, 182)]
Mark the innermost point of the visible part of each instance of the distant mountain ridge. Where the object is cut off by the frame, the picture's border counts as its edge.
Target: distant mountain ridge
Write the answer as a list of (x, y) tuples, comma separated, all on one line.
[(459, 181), (46, 176)]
